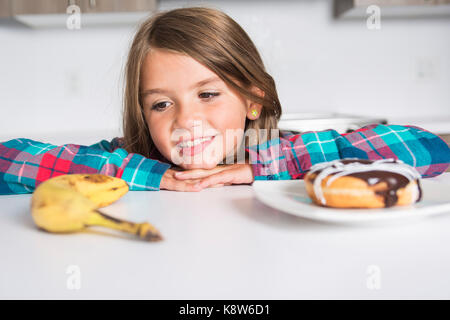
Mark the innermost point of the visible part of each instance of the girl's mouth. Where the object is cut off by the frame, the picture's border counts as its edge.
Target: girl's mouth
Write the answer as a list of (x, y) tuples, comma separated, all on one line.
[(196, 146)]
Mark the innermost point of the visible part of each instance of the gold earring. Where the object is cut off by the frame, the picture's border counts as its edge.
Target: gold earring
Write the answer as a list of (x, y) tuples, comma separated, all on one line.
[(254, 112)]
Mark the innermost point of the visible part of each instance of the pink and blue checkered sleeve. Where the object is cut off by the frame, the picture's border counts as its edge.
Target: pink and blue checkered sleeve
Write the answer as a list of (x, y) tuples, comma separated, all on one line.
[(291, 155), (25, 163)]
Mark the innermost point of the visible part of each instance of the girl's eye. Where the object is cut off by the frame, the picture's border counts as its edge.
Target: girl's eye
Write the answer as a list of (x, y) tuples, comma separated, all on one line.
[(159, 106), (208, 95)]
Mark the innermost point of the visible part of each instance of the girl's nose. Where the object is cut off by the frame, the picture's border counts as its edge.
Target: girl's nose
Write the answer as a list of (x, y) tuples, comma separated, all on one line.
[(189, 117)]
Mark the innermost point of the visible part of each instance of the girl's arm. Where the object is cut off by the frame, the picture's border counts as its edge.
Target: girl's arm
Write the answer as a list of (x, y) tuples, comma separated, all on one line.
[(25, 163), (108, 146), (291, 155)]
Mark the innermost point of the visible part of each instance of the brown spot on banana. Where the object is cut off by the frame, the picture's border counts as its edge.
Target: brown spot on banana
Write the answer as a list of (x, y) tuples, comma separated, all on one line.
[(37, 203), (97, 178), (42, 204)]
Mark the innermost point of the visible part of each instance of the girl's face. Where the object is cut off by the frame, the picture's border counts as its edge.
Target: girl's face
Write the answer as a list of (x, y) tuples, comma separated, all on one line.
[(184, 101)]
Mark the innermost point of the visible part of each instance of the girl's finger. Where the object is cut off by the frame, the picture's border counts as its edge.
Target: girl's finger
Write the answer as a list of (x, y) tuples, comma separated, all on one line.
[(176, 185), (218, 178), (191, 181), (216, 185), (190, 187), (189, 174)]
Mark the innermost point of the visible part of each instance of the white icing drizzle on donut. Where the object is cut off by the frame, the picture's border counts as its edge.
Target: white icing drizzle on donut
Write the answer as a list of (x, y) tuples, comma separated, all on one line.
[(329, 168)]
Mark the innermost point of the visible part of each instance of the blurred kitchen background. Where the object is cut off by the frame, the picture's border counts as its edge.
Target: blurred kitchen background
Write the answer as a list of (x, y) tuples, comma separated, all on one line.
[(330, 59)]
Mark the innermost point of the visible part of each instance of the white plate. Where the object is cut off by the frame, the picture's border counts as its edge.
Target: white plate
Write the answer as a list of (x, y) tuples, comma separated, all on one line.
[(290, 196)]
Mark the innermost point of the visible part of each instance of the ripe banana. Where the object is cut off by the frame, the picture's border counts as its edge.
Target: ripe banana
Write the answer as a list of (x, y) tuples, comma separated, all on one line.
[(99, 188), (69, 203)]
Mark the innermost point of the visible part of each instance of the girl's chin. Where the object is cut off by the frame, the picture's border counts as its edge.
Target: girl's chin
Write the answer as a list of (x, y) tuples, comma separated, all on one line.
[(195, 162), (203, 165)]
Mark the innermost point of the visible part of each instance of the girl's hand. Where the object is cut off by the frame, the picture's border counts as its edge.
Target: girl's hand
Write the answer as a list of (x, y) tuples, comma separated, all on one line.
[(219, 176), (169, 182)]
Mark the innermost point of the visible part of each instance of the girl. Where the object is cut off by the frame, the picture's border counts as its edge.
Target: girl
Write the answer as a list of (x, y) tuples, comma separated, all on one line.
[(196, 91)]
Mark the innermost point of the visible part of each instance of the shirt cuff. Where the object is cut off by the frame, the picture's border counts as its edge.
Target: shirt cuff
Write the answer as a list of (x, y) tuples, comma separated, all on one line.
[(145, 174)]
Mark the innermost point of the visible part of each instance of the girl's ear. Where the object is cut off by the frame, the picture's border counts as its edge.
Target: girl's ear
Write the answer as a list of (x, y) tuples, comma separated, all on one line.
[(253, 108)]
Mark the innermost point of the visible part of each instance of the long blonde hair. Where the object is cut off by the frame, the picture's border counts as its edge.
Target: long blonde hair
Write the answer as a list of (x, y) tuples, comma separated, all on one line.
[(213, 39)]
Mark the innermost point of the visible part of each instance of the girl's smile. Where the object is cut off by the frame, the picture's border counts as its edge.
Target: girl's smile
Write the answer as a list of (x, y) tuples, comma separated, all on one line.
[(192, 147)]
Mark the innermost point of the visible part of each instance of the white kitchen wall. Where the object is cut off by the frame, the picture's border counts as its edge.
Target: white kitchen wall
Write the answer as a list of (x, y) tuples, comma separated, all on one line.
[(62, 80)]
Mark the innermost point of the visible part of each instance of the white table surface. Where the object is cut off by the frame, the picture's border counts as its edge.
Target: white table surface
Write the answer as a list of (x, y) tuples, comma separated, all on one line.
[(222, 243)]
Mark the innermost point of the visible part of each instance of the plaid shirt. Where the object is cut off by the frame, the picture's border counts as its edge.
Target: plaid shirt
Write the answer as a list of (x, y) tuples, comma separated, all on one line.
[(292, 155), (25, 163)]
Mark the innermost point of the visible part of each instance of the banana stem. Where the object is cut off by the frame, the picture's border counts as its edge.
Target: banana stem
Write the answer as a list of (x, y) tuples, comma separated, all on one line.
[(144, 230)]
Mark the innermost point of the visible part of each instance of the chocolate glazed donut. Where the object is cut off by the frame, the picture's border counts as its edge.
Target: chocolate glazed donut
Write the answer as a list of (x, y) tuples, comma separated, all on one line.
[(385, 179)]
